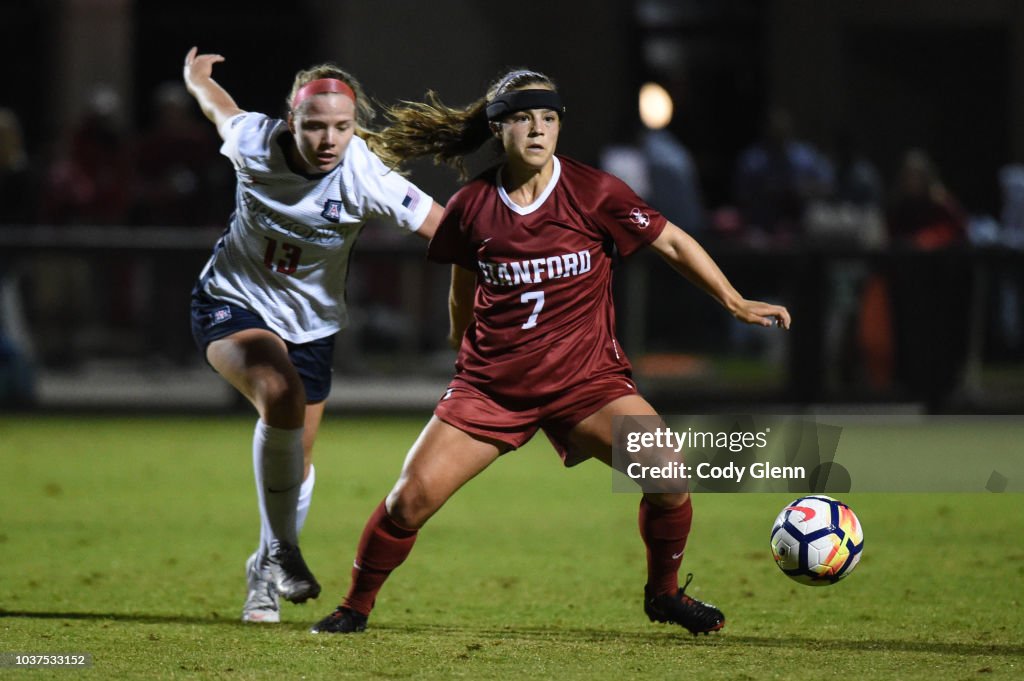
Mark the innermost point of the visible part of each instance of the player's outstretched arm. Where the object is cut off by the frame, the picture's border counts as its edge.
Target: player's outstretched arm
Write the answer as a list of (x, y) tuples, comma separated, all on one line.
[(690, 259), (216, 103), (430, 223), (460, 304)]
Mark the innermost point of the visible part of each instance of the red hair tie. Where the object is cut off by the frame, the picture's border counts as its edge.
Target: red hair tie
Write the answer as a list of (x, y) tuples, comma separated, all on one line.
[(320, 86)]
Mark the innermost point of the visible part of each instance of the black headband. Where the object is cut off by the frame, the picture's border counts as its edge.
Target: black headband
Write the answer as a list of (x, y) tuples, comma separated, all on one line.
[(521, 100)]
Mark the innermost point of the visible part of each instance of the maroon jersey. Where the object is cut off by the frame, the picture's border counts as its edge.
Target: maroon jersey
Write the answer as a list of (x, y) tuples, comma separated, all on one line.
[(544, 319)]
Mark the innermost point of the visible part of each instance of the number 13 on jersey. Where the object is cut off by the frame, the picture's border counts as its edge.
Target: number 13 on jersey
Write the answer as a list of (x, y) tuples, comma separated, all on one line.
[(286, 265), (537, 298)]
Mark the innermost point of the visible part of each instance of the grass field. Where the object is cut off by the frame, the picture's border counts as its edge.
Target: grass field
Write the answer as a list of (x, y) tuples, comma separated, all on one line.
[(125, 538)]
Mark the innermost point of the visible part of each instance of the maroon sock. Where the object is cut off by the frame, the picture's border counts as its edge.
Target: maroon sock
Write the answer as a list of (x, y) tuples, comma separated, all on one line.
[(664, 531), (382, 548)]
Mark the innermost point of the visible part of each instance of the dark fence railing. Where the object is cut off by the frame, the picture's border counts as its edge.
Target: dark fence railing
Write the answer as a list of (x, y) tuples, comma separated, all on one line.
[(941, 329)]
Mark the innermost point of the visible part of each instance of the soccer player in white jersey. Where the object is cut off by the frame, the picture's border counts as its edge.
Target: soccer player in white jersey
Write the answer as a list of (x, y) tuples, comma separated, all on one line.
[(272, 296)]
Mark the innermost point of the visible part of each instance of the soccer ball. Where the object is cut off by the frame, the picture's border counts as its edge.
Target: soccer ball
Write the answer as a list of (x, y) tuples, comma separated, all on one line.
[(817, 540)]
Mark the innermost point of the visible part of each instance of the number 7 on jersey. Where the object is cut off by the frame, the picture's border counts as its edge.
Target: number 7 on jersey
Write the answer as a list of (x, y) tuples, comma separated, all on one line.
[(537, 296)]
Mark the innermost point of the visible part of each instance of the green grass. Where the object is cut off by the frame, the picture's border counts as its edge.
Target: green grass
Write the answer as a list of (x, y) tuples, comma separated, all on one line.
[(125, 538)]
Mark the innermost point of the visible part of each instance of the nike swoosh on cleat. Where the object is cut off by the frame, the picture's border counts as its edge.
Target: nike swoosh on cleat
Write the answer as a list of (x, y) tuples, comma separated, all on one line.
[(281, 491)]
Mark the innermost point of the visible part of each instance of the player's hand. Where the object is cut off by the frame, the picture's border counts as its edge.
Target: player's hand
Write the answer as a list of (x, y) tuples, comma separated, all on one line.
[(762, 314), (199, 67)]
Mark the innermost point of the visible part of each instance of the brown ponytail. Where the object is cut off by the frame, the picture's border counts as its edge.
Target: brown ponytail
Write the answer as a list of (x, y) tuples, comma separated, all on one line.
[(447, 134)]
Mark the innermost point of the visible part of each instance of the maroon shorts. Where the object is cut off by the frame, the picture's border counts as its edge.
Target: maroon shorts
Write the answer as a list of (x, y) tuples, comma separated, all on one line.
[(473, 411)]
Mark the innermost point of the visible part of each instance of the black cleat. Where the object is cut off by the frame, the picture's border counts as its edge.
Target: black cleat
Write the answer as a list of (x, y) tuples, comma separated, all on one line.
[(288, 572), (678, 608), (341, 621)]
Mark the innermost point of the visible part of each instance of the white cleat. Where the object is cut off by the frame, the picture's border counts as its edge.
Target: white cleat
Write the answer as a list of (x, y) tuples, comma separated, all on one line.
[(261, 604)]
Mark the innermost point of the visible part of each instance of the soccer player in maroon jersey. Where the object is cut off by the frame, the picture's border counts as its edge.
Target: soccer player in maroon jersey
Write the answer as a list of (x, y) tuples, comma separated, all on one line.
[(532, 242)]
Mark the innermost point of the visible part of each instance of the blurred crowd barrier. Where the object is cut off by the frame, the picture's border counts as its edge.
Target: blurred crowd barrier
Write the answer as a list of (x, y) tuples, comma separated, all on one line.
[(106, 309)]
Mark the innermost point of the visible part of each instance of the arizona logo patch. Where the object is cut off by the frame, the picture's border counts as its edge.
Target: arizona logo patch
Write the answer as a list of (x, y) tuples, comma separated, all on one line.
[(332, 210), (221, 314)]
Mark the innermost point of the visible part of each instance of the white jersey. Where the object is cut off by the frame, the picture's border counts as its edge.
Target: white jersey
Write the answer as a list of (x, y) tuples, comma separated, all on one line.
[(285, 254)]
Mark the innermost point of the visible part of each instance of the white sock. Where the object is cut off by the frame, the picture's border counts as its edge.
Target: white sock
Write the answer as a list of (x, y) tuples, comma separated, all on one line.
[(305, 499), (277, 463)]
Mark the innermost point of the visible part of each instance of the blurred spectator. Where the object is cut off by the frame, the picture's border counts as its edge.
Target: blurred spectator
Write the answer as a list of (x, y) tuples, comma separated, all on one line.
[(656, 165), (1009, 327), (776, 180), (16, 188), (91, 179), (181, 179), (777, 177), (675, 189), (89, 182), (858, 333), (931, 295), (852, 212), (16, 383), (626, 161), (1011, 182), (857, 180), (922, 212)]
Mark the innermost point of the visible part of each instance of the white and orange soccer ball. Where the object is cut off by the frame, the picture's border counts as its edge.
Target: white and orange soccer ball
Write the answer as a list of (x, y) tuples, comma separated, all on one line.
[(817, 540)]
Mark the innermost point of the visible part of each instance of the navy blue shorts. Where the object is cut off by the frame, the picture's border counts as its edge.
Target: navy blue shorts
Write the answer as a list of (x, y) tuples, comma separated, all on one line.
[(214, 319)]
